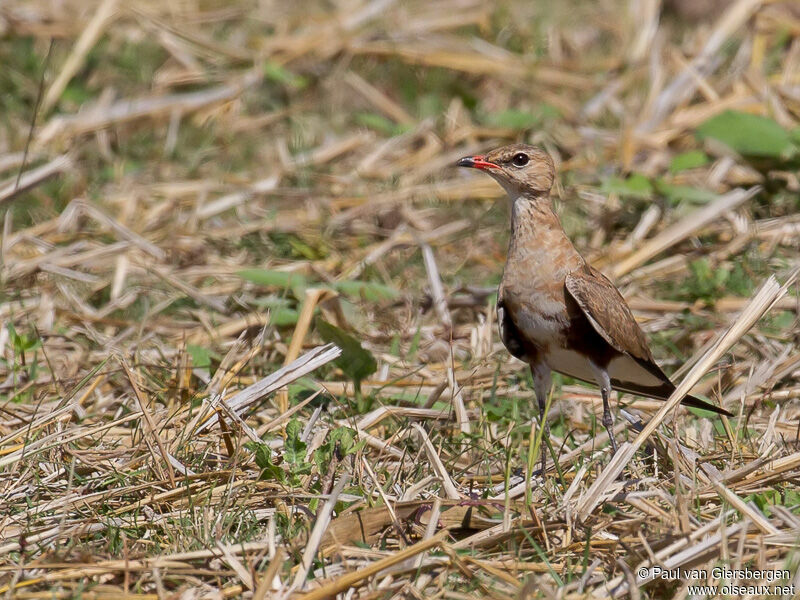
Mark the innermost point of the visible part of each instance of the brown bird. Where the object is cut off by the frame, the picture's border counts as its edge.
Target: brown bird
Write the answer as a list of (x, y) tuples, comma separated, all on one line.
[(555, 311)]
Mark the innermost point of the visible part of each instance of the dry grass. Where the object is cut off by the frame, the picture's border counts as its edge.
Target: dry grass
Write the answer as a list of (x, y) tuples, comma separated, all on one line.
[(206, 179)]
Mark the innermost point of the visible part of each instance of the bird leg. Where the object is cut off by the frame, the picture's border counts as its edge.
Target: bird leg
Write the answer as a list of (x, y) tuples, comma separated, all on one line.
[(608, 419), (541, 384), (604, 383)]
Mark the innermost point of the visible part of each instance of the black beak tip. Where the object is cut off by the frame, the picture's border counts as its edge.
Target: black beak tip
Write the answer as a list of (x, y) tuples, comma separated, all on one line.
[(467, 161)]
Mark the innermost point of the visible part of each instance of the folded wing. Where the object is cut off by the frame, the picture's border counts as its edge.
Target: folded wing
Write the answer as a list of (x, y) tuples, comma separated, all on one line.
[(635, 370)]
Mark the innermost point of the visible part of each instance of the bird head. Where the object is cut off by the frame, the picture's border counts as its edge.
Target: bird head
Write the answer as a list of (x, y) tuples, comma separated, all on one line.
[(519, 168)]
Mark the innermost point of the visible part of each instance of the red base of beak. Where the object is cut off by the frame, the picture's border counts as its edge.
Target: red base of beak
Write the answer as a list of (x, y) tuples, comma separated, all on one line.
[(476, 162)]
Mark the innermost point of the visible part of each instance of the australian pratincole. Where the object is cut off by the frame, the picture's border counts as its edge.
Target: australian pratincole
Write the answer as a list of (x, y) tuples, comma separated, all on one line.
[(555, 311)]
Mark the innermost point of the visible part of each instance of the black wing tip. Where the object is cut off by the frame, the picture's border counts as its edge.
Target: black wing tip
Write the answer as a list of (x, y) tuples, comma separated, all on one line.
[(688, 400), (664, 392), (703, 405)]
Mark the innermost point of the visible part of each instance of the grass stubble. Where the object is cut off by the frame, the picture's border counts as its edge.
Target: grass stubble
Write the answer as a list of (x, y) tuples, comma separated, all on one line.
[(206, 182)]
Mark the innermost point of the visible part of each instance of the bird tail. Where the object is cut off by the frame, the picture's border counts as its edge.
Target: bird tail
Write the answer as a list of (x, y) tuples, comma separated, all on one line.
[(663, 392), (697, 403)]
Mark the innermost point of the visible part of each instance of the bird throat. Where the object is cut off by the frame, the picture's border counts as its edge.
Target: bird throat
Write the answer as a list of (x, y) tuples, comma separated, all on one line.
[(532, 217)]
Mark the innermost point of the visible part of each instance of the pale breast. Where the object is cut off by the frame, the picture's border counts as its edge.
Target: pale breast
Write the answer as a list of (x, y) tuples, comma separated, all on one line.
[(544, 322), (538, 313), (533, 288)]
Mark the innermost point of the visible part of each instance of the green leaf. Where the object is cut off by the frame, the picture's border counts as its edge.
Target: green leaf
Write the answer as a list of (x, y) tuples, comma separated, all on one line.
[(781, 320), (521, 119), (269, 470), (764, 500), (201, 357), (322, 457), (341, 440), (280, 312), (305, 250), (294, 449), (22, 342), (750, 135), (262, 451), (294, 429), (75, 94), (280, 279), (678, 193), (16, 340), (297, 469), (688, 160), (281, 317), (273, 302), (364, 403), (414, 347), (365, 290), (429, 105), (498, 411), (346, 438), (791, 499), (280, 74), (707, 282), (356, 362), (394, 349), (636, 185), (380, 124), (270, 278)]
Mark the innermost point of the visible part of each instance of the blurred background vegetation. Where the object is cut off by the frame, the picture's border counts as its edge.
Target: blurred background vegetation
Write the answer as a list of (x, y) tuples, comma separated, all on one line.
[(202, 191)]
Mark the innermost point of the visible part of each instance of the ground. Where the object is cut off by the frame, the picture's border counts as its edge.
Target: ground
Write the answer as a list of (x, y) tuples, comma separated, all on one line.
[(247, 333)]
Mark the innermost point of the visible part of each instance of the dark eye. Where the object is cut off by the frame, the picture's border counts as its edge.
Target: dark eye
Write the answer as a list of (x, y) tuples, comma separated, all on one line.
[(520, 160)]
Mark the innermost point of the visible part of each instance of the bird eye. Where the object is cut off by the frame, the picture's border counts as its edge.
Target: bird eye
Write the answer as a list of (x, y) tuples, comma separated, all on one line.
[(520, 160)]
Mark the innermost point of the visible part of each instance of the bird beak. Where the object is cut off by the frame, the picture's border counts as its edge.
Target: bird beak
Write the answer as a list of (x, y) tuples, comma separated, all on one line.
[(476, 162)]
